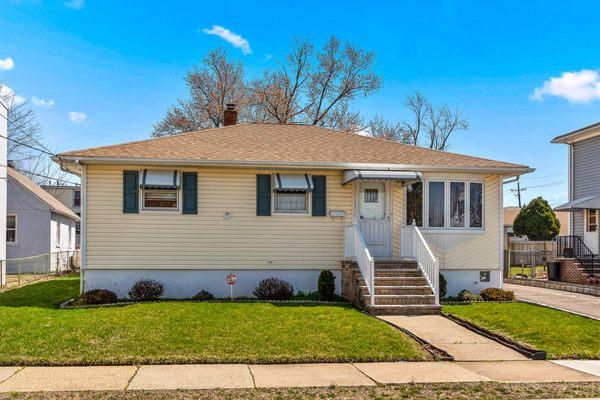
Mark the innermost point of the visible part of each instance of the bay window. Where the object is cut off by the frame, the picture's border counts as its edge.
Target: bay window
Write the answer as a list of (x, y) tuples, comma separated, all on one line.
[(445, 204)]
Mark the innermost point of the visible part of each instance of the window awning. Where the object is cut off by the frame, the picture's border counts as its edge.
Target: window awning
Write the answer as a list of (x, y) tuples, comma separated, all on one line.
[(160, 179), (403, 176), (293, 183), (587, 203)]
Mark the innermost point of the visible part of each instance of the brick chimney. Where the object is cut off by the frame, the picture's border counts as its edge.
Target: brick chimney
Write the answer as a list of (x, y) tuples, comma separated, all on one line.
[(230, 115)]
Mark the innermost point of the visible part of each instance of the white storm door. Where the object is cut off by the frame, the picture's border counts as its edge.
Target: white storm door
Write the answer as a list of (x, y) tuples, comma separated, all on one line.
[(373, 217)]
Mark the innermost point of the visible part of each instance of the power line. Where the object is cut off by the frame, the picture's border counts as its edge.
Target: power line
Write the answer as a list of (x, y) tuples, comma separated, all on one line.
[(542, 177), (44, 150), (46, 176)]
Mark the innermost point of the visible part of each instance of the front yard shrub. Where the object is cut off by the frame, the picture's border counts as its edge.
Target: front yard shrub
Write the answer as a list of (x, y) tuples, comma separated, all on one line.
[(203, 295), (146, 290), (467, 295), (443, 286), (273, 289), (326, 286), (98, 296), (495, 294)]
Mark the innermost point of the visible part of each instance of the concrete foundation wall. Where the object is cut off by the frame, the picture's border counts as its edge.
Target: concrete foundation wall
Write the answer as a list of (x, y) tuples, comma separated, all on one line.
[(469, 279), (186, 283)]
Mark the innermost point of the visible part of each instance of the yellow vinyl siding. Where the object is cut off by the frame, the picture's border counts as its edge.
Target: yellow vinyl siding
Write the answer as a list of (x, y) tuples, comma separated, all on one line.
[(168, 240)]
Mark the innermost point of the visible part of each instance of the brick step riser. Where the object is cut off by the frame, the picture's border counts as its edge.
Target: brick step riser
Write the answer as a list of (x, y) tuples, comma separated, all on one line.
[(398, 301), (397, 291), (393, 274), (427, 310), (393, 281), (396, 266)]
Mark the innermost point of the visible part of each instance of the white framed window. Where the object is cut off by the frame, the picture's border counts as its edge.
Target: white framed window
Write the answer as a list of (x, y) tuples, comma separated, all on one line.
[(160, 190), (291, 202), (437, 204), (292, 193), (457, 205), (445, 204), (591, 224), (160, 199), (11, 229)]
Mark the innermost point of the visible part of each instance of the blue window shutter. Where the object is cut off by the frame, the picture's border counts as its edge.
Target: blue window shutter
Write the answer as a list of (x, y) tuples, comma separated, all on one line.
[(319, 196), (263, 195), (130, 192), (190, 192)]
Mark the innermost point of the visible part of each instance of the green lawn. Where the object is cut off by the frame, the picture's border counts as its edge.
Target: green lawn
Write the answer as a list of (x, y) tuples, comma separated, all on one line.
[(560, 334), (35, 332)]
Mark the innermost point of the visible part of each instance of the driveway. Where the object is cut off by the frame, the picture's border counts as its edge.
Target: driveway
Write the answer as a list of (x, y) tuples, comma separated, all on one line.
[(577, 303)]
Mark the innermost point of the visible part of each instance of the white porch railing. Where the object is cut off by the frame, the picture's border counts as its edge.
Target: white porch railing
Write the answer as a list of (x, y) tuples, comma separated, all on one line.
[(356, 249), (413, 245)]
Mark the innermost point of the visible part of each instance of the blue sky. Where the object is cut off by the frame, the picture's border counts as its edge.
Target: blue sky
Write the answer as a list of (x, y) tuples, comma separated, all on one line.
[(106, 71)]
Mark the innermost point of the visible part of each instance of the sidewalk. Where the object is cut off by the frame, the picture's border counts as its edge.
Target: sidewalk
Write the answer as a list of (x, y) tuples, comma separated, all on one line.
[(577, 303), (214, 376)]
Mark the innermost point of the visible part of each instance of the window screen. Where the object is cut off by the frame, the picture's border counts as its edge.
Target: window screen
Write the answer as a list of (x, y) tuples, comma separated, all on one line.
[(371, 195), (160, 198), (294, 202)]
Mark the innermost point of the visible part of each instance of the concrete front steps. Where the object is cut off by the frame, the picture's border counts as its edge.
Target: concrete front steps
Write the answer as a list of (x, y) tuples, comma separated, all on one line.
[(400, 289)]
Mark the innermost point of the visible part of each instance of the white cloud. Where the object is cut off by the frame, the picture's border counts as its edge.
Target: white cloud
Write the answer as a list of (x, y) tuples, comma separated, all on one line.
[(74, 4), (268, 57), (77, 117), (236, 40), (42, 102), (9, 97), (577, 87), (6, 64)]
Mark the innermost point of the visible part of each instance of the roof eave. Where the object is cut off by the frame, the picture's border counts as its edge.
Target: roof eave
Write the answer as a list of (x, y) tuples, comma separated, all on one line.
[(578, 135), (78, 160)]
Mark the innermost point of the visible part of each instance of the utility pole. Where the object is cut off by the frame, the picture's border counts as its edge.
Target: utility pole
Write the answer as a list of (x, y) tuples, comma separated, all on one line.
[(518, 191)]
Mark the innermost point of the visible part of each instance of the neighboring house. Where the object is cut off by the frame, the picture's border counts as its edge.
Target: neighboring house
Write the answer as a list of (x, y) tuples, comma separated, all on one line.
[(584, 188), (584, 197), (3, 168), (37, 223), (284, 200), (70, 196)]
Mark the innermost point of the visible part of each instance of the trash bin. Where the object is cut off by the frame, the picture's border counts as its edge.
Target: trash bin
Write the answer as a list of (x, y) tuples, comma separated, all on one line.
[(554, 271)]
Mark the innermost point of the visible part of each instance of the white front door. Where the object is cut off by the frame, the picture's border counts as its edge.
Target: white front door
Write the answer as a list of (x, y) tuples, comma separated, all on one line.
[(373, 216), (590, 235)]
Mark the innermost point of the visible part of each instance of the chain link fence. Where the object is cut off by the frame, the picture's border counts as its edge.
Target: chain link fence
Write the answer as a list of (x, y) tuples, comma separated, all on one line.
[(20, 271)]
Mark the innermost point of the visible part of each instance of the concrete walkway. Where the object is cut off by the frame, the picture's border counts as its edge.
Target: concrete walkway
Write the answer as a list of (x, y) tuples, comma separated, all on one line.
[(459, 342), (213, 376), (577, 303)]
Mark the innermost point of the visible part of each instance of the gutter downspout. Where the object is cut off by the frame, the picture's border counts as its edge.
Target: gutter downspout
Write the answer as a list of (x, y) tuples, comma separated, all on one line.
[(83, 228)]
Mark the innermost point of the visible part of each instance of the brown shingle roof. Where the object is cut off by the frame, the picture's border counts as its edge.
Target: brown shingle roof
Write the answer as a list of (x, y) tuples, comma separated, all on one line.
[(281, 143), (53, 203)]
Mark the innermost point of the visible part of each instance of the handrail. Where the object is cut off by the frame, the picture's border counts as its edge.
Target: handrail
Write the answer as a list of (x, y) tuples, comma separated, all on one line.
[(414, 245), (580, 251), (359, 252)]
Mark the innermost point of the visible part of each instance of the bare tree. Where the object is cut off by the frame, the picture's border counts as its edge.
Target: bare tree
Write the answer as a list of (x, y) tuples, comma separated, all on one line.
[(430, 126), (219, 81), (441, 123), (417, 104), (340, 76), (280, 94), (379, 127), (26, 148)]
